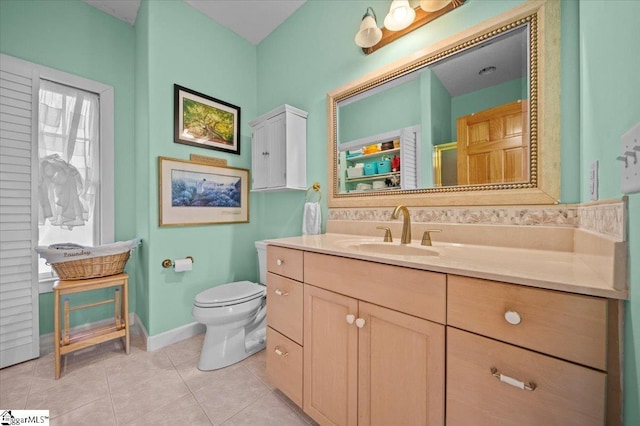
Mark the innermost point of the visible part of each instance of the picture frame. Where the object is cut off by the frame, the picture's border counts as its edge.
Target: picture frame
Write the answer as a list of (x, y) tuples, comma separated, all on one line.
[(192, 193), (205, 122)]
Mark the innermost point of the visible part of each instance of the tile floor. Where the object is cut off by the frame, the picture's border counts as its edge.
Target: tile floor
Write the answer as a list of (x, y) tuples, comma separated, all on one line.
[(103, 386)]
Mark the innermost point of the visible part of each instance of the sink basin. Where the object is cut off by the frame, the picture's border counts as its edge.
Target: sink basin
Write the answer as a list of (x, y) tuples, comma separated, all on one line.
[(391, 249)]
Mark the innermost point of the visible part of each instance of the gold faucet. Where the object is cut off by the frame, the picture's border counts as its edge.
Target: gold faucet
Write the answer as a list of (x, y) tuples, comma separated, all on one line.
[(406, 224)]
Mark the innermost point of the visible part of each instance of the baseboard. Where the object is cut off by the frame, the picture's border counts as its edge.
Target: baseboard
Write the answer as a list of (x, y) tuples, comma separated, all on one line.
[(172, 336), (152, 343), (46, 340)]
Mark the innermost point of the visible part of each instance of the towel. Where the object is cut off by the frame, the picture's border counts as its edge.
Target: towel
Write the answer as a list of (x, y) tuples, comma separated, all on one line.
[(311, 219)]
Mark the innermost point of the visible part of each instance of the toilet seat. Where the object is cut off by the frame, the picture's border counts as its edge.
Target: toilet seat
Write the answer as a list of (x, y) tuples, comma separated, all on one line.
[(229, 294)]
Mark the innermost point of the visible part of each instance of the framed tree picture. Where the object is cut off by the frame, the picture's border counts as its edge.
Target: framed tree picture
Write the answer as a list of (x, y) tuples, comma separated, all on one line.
[(192, 193), (205, 122)]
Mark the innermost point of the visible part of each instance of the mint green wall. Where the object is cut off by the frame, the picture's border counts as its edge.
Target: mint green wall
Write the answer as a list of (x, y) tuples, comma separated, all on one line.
[(74, 37), (141, 151), (180, 45), (484, 99), (440, 110), (609, 106), (436, 115), (389, 110), (311, 54)]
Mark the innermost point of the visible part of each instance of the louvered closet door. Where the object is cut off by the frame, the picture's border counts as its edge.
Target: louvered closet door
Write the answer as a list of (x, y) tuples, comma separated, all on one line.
[(19, 330), (410, 157)]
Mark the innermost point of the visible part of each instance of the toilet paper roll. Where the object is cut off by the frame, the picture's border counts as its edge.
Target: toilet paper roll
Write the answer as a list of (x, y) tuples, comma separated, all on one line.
[(182, 265)]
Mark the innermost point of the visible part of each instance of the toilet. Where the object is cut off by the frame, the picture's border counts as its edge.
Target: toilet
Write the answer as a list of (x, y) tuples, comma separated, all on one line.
[(235, 317)]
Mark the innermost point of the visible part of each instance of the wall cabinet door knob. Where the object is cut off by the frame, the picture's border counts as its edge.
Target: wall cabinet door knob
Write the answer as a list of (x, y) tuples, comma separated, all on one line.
[(360, 322), (512, 317), (351, 318)]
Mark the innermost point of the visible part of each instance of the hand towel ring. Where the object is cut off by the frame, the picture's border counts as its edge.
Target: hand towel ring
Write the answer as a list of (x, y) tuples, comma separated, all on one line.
[(316, 189)]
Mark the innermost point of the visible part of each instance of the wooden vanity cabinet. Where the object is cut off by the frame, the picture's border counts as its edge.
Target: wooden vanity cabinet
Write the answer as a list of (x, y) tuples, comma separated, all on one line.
[(368, 364), (362, 343)]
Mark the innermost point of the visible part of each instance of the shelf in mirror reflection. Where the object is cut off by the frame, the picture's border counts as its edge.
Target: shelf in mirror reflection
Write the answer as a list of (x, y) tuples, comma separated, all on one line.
[(356, 191), (368, 178)]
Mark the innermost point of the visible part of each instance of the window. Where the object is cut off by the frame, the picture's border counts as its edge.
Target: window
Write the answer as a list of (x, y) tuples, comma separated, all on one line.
[(78, 125), (69, 167)]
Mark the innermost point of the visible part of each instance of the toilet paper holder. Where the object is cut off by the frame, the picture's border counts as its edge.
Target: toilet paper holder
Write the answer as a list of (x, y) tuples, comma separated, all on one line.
[(168, 263)]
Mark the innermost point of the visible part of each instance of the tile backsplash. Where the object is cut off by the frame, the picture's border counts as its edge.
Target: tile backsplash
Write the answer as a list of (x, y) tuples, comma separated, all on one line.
[(605, 217)]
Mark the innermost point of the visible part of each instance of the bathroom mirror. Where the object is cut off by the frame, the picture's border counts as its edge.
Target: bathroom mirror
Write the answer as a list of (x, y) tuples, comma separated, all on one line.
[(472, 120)]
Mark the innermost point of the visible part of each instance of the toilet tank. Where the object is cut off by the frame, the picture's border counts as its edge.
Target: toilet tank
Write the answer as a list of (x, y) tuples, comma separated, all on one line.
[(262, 261)]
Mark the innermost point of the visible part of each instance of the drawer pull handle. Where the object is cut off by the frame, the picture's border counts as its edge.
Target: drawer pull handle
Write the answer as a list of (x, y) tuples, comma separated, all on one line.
[(512, 317), (279, 262), (360, 322), (280, 292), (278, 351), (351, 318), (513, 382)]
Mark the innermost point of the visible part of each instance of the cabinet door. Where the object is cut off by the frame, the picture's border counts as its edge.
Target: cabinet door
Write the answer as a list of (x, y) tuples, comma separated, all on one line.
[(277, 151), (492, 145), (260, 157), (330, 357), (400, 369)]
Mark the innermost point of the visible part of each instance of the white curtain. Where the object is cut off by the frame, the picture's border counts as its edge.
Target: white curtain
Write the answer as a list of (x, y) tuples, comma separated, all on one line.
[(68, 149)]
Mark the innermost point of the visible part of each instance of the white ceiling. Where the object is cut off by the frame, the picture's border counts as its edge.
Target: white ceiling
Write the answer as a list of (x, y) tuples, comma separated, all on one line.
[(253, 20), (507, 53)]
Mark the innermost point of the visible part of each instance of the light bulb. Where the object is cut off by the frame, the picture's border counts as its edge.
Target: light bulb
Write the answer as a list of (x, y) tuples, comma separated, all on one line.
[(369, 34), (400, 15), (433, 5)]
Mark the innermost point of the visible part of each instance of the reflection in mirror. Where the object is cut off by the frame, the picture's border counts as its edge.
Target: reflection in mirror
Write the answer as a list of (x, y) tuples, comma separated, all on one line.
[(458, 121)]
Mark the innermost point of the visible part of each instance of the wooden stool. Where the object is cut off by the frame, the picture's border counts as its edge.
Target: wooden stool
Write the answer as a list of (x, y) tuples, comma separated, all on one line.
[(65, 342)]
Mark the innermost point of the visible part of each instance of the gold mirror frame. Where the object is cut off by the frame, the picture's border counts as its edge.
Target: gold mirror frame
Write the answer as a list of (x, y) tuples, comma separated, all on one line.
[(543, 186)]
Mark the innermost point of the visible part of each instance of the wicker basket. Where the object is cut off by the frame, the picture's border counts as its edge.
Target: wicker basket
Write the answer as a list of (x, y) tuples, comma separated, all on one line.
[(91, 268)]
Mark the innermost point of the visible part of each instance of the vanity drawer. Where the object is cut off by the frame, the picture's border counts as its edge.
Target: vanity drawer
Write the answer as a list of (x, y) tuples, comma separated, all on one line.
[(565, 393), (412, 291), (569, 326), (284, 365), (284, 306), (284, 261)]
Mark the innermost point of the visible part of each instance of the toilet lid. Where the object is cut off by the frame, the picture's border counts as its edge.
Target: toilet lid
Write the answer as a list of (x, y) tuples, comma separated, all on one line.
[(227, 294)]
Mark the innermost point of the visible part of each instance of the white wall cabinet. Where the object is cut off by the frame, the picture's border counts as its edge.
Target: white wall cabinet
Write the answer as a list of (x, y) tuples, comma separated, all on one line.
[(279, 150)]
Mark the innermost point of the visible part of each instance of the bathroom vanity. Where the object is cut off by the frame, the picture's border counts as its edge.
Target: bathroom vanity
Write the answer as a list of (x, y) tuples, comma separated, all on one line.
[(359, 334)]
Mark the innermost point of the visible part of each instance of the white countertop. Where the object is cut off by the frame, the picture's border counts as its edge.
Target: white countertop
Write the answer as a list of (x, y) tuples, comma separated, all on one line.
[(555, 270)]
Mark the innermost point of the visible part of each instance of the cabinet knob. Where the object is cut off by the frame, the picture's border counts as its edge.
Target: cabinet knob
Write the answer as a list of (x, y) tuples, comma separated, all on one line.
[(360, 322), (512, 317), (351, 318), (280, 292), (279, 262), (279, 351)]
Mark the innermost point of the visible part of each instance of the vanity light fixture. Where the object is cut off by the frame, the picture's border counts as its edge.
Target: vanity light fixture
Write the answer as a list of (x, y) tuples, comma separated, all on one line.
[(369, 33), (401, 20), (400, 15)]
